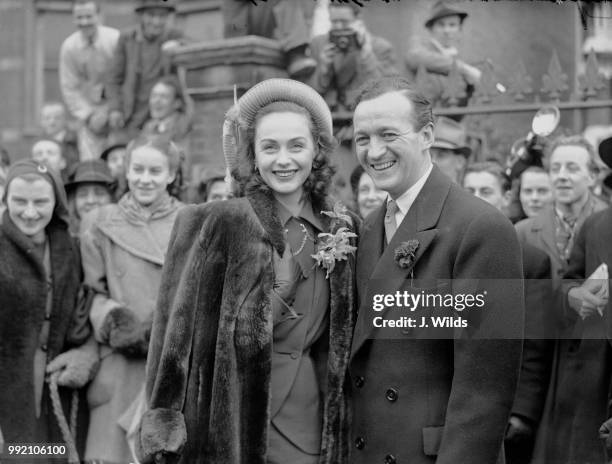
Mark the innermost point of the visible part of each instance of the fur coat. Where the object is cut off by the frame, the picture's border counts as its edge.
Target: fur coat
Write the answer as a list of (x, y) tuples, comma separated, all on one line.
[(23, 295), (210, 355)]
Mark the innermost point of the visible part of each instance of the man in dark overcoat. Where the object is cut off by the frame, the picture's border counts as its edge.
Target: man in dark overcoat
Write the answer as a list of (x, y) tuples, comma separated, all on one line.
[(424, 395)]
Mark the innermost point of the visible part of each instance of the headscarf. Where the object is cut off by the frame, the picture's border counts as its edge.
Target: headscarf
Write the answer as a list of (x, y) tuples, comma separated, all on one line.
[(30, 166)]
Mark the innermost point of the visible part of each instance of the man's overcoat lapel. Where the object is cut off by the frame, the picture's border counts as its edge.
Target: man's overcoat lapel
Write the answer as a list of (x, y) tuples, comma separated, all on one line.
[(385, 276)]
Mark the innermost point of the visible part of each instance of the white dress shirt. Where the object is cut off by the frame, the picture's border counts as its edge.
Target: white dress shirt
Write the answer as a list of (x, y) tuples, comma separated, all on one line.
[(406, 199)]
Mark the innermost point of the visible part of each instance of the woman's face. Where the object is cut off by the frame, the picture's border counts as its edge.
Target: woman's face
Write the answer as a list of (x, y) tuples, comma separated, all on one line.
[(368, 196), (148, 175), (30, 205), (89, 196), (284, 151)]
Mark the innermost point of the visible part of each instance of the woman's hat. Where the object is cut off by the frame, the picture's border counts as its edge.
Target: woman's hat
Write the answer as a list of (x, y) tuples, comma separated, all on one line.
[(442, 10), (91, 171), (30, 166), (243, 113)]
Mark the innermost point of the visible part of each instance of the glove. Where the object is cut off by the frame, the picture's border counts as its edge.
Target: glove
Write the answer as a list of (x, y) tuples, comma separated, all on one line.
[(126, 334), (605, 433), (161, 437), (78, 366)]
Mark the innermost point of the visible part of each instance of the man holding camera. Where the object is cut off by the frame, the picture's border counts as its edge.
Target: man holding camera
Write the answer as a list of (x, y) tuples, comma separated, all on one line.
[(348, 56)]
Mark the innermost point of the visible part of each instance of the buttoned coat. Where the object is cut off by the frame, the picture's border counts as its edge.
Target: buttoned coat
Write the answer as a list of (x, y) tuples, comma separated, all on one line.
[(445, 397), (209, 365), (582, 391), (122, 261)]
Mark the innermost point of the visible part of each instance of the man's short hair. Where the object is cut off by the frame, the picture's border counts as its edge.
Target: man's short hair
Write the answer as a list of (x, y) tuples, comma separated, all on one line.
[(495, 169), (53, 104), (353, 6), (374, 88), (85, 2), (577, 141)]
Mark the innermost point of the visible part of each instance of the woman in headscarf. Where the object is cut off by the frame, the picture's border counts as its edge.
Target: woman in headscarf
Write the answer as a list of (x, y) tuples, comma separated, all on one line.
[(40, 275), (251, 340), (123, 247)]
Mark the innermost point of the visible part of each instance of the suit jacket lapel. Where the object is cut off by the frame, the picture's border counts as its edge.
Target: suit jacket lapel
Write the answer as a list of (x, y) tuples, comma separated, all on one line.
[(546, 225), (388, 277)]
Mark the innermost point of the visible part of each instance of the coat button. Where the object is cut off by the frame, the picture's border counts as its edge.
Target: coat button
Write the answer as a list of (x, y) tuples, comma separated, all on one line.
[(390, 459), (359, 381), (294, 355), (360, 443), (391, 395), (43, 347)]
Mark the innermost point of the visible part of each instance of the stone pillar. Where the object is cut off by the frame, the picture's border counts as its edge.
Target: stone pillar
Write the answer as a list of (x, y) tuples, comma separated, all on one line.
[(209, 72)]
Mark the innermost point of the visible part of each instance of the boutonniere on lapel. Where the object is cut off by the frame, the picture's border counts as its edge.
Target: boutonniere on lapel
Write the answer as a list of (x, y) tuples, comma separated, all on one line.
[(405, 254), (337, 246)]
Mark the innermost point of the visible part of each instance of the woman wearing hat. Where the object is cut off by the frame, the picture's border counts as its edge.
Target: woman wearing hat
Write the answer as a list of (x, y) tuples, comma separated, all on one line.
[(90, 185), (123, 248), (39, 321), (251, 338)]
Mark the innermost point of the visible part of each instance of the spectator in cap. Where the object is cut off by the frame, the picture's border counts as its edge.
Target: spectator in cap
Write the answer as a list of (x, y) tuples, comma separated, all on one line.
[(85, 57), (450, 151), (89, 186), (283, 20), (348, 56), (42, 329), (438, 53), (140, 60)]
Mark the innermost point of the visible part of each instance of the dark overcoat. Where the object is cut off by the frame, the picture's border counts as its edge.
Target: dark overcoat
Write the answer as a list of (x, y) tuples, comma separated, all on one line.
[(440, 396), (210, 355), (581, 396), (23, 295)]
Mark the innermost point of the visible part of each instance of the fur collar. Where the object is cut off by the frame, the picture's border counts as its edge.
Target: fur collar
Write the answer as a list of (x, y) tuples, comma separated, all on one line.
[(265, 206)]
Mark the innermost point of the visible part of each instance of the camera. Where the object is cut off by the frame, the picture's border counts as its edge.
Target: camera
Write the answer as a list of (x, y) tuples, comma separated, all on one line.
[(344, 39)]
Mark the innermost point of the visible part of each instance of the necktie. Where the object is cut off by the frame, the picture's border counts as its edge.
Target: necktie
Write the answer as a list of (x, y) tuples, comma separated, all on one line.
[(390, 224)]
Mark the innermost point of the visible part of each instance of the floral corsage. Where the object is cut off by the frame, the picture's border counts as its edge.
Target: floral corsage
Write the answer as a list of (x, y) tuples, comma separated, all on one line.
[(405, 254), (335, 247)]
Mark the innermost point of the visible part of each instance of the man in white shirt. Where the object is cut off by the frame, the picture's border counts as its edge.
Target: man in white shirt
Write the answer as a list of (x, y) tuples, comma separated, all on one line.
[(421, 391), (85, 58)]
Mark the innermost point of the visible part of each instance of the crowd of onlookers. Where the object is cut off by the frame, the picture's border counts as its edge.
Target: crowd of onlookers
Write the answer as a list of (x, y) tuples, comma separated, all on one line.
[(87, 220)]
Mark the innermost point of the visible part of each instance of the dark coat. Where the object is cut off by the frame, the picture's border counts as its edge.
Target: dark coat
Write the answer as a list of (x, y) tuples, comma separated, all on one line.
[(582, 392), (539, 336), (445, 397), (211, 345), (125, 77), (23, 296)]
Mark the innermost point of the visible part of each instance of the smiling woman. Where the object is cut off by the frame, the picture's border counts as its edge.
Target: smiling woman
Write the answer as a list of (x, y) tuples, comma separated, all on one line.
[(39, 284), (123, 248), (250, 341)]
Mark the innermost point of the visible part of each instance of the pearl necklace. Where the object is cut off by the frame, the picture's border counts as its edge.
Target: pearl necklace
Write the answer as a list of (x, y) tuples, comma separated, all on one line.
[(306, 237)]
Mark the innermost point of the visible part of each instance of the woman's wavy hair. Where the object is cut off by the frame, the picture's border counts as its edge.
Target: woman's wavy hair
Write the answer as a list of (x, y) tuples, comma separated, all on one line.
[(165, 145), (318, 182)]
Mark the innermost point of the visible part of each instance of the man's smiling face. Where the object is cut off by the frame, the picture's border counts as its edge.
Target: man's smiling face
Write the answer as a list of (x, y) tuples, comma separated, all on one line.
[(388, 146)]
